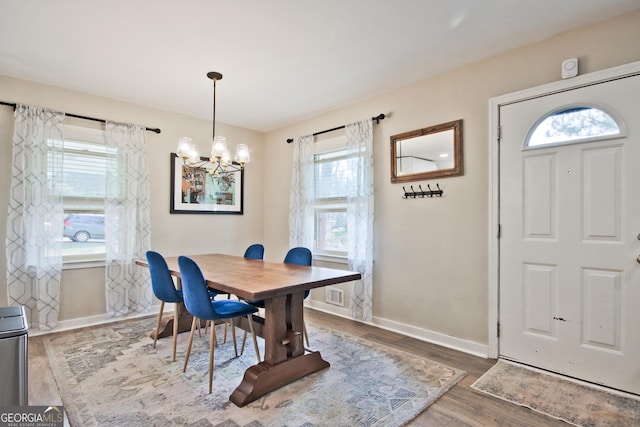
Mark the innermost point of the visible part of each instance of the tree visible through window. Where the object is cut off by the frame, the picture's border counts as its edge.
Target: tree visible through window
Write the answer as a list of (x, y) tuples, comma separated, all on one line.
[(573, 125)]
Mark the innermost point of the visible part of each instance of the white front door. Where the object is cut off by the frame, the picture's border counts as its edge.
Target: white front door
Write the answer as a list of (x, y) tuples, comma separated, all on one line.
[(569, 280)]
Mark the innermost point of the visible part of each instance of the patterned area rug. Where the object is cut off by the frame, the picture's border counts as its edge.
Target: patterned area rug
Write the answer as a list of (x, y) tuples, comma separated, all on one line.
[(112, 376), (557, 397)]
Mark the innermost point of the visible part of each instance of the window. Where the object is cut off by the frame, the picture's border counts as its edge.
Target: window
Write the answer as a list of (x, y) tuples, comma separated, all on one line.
[(330, 211), (571, 125), (84, 187)]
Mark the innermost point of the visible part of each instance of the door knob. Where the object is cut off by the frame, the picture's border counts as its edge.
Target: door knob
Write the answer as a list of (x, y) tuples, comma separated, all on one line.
[(638, 259)]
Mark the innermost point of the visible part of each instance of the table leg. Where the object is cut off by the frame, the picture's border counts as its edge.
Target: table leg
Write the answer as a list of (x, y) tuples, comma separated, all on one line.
[(285, 359)]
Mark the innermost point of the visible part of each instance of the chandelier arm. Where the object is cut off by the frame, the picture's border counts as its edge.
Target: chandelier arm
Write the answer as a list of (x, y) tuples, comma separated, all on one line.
[(225, 169)]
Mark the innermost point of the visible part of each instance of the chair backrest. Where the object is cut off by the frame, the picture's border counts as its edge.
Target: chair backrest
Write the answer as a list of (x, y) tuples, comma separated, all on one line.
[(161, 280), (255, 251), (301, 256), (194, 290)]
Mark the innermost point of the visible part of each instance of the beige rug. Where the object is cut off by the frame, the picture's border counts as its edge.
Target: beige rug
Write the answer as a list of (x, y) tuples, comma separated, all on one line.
[(112, 376), (557, 397)]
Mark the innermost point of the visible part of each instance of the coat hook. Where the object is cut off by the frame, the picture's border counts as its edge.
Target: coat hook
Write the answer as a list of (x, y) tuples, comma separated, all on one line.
[(430, 190), (422, 192)]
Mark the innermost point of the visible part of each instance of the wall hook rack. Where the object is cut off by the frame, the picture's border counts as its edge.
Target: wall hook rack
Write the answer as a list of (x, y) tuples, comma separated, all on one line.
[(422, 193)]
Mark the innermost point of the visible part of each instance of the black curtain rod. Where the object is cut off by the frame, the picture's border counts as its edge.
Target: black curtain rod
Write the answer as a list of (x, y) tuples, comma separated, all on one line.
[(93, 119), (376, 118)]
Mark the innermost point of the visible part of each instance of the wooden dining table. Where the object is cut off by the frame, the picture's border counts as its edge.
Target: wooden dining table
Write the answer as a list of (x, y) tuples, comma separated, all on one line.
[(282, 287)]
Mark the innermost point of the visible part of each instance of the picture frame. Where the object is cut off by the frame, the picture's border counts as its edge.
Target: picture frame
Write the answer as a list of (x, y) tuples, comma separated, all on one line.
[(195, 191)]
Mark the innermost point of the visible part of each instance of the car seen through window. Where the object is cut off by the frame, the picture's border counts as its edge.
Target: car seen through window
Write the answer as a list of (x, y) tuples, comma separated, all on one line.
[(84, 227)]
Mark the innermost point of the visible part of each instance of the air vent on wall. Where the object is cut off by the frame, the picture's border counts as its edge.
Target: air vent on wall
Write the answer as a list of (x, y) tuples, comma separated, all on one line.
[(334, 296)]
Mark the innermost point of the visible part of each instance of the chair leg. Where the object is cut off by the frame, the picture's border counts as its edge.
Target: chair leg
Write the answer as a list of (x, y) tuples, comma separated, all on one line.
[(155, 337), (224, 341), (212, 339), (253, 335), (186, 357), (213, 331), (175, 330), (244, 340), (306, 336), (206, 328), (233, 334)]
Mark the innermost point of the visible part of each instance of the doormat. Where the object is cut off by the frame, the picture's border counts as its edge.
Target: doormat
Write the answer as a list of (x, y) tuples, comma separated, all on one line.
[(552, 395), (112, 376)]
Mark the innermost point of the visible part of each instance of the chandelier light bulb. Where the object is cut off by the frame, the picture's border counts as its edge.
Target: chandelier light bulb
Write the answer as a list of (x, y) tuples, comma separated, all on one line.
[(225, 160), (242, 154), (184, 146), (219, 147), (193, 155)]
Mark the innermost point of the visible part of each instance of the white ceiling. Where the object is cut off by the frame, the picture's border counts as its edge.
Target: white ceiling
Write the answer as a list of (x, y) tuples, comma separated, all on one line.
[(282, 60)]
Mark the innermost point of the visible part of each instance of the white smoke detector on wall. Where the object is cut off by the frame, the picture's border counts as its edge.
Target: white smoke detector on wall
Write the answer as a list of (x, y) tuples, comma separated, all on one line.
[(569, 68)]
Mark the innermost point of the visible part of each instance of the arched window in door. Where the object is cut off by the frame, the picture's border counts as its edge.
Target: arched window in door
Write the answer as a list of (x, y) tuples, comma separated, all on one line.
[(572, 125)]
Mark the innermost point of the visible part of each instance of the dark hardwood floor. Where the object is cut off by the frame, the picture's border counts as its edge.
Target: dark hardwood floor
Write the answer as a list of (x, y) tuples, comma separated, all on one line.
[(460, 406)]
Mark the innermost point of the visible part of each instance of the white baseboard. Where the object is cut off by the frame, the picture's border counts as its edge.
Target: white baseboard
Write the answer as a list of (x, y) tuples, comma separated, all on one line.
[(465, 346), (99, 319), (443, 340)]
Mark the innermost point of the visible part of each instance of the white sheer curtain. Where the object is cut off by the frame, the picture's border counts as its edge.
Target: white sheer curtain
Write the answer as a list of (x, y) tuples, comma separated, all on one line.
[(36, 215), (360, 215), (359, 146), (302, 193), (127, 220)]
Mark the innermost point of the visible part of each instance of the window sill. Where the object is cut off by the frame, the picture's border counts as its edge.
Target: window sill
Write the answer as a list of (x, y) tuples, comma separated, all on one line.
[(331, 258), (75, 265)]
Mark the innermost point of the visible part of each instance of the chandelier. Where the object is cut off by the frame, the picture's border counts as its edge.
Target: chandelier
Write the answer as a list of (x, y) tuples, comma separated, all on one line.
[(220, 162)]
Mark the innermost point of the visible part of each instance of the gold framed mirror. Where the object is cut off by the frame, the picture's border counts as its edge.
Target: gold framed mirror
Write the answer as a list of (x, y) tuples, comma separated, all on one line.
[(427, 153)]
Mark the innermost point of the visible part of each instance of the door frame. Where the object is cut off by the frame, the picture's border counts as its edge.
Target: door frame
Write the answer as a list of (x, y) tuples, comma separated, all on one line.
[(495, 103)]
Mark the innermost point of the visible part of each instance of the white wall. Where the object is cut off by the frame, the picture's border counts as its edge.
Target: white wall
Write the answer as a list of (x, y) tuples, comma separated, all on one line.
[(431, 255)]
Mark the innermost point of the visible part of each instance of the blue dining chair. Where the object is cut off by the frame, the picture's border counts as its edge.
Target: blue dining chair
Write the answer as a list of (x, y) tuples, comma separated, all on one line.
[(300, 256), (165, 291), (194, 287), (255, 251)]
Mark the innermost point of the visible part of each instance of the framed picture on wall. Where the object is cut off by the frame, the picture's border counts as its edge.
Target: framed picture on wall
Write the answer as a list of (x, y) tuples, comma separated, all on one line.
[(195, 191)]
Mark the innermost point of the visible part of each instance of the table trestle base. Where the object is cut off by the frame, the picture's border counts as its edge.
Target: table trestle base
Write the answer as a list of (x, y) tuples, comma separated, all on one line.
[(263, 378)]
